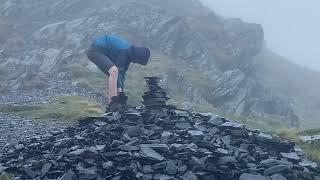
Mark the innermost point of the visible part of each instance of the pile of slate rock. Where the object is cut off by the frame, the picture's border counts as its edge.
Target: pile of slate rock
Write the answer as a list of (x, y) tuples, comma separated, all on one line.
[(161, 144), (155, 96)]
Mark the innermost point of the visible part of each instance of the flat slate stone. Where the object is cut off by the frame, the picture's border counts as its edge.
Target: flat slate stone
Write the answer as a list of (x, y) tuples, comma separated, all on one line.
[(45, 168), (183, 125), (276, 169), (307, 163), (70, 175), (30, 172), (246, 176), (148, 152), (19, 146), (273, 162), (77, 152), (226, 159), (160, 147), (291, 156), (278, 177), (232, 125), (215, 120), (194, 133), (189, 176), (222, 151), (171, 168)]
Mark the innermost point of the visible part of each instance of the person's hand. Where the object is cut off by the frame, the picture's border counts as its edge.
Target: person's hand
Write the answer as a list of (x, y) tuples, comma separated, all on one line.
[(123, 98)]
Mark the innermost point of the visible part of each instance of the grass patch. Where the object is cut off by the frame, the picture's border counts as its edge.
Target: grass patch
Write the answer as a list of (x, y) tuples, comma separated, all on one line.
[(65, 109), (310, 132), (4, 177), (289, 134), (311, 150), (263, 124)]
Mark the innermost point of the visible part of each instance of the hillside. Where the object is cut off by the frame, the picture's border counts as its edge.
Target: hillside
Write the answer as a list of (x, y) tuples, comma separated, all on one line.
[(207, 62), (297, 83)]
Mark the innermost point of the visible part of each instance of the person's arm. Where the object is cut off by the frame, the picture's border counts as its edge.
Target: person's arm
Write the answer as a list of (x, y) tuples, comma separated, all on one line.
[(113, 79)]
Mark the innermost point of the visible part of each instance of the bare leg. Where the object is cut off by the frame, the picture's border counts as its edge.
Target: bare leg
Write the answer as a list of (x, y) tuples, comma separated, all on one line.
[(113, 71)]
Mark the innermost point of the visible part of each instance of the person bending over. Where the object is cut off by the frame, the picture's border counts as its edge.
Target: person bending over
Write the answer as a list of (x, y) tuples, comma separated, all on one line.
[(113, 55)]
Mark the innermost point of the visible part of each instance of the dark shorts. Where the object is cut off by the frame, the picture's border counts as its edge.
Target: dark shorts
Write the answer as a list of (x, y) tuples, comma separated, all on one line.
[(102, 61)]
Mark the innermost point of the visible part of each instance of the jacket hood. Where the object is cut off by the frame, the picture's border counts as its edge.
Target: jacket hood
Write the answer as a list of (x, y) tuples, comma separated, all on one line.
[(140, 55)]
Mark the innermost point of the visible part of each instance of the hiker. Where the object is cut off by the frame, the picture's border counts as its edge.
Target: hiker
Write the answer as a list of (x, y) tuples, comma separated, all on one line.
[(113, 56)]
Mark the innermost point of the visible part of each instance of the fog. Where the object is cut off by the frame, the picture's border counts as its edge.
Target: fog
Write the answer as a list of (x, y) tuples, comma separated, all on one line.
[(292, 27)]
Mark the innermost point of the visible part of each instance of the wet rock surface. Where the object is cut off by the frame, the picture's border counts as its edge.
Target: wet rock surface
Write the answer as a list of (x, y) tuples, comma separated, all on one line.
[(156, 96), (144, 143)]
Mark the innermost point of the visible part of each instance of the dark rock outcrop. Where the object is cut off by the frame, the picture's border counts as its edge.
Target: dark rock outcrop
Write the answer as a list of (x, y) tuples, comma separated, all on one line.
[(162, 143)]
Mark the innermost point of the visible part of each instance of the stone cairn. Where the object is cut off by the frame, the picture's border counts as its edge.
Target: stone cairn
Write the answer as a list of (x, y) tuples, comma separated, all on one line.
[(157, 144), (155, 96)]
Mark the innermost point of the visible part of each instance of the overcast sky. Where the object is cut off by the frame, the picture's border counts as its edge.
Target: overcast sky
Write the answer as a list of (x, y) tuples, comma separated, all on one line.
[(292, 27)]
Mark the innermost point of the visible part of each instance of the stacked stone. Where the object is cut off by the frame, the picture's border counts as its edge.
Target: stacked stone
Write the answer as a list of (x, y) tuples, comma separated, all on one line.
[(157, 144), (155, 96)]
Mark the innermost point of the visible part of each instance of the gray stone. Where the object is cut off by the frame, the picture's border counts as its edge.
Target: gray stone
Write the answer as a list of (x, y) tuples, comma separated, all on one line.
[(147, 169), (163, 177), (148, 152), (226, 160), (307, 163), (215, 120), (278, 177), (192, 147), (232, 125), (107, 165), (194, 133), (77, 152), (222, 151), (183, 125), (116, 143), (270, 162), (30, 172), (19, 146), (276, 169), (226, 140), (246, 176), (45, 168), (100, 123), (189, 176), (177, 147), (166, 135), (309, 139), (133, 131), (160, 147), (291, 156), (171, 168), (70, 175)]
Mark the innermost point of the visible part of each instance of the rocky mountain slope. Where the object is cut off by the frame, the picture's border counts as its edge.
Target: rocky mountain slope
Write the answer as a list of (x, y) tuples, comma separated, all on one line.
[(204, 60)]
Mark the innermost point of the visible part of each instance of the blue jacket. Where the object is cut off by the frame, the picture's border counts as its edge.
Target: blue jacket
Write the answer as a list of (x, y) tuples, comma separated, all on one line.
[(118, 51)]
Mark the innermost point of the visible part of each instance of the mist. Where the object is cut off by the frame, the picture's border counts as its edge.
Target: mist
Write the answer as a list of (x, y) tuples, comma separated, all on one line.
[(291, 26)]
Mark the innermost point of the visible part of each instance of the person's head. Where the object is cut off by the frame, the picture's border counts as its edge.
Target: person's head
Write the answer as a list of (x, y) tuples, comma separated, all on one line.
[(140, 55)]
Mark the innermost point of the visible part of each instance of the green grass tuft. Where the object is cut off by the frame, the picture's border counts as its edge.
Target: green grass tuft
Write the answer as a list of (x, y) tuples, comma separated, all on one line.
[(311, 150), (4, 177), (288, 134)]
